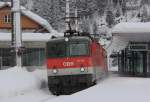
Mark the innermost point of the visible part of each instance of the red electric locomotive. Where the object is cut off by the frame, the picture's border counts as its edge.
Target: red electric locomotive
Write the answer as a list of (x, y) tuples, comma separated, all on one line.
[(74, 61)]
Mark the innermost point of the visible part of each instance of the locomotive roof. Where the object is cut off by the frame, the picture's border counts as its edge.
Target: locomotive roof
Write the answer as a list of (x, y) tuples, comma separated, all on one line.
[(78, 38)]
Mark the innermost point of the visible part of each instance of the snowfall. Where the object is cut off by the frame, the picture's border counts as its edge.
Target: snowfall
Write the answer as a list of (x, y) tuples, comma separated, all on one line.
[(21, 85)]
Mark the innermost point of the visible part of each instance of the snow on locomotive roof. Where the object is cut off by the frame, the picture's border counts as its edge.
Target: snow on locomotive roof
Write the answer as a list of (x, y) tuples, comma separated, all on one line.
[(32, 16), (132, 28)]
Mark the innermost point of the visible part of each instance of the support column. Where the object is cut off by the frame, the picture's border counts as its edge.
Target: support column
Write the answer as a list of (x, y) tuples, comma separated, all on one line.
[(17, 31)]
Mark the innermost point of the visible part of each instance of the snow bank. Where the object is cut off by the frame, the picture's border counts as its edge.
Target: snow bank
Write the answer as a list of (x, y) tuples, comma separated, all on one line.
[(116, 89), (15, 81)]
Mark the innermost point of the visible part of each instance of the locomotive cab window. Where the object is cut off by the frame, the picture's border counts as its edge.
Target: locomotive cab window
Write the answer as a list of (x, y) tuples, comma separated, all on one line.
[(63, 49), (79, 49), (57, 49)]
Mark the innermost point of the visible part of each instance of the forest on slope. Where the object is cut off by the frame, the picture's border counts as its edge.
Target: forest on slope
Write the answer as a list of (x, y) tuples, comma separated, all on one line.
[(96, 16)]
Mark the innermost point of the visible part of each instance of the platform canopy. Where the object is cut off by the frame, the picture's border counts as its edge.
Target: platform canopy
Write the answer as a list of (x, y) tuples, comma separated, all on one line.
[(139, 32), (27, 37), (126, 32)]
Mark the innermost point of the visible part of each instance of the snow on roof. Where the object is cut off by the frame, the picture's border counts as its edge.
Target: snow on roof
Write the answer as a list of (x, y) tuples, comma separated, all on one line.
[(128, 27), (133, 31), (123, 33), (33, 16), (27, 37), (38, 19)]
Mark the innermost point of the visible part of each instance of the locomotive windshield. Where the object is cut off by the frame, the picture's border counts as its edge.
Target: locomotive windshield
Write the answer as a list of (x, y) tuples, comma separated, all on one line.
[(56, 49), (78, 49), (63, 49)]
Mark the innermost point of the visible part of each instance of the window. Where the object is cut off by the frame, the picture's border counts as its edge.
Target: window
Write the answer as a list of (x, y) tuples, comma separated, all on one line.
[(78, 49), (7, 18), (56, 49), (5, 56), (34, 57), (62, 49)]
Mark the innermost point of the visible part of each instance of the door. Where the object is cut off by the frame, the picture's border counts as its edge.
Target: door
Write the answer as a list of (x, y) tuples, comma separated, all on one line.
[(148, 63), (140, 63), (0, 63)]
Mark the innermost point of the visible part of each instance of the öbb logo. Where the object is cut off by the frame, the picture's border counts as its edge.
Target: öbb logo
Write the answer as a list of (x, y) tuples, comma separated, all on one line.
[(68, 64)]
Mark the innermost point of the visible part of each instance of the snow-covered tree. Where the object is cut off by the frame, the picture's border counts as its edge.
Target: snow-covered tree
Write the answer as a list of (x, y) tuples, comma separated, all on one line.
[(28, 4), (124, 9), (118, 13), (144, 15), (110, 18), (85, 25)]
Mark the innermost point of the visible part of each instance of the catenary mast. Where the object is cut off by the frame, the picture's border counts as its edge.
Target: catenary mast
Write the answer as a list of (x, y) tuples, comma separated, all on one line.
[(76, 17), (17, 31), (67, 15)]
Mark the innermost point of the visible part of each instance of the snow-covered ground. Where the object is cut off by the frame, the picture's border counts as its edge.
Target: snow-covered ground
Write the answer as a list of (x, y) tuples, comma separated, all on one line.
[(16, 81), (41, 95), (19, 85), (113, 89)]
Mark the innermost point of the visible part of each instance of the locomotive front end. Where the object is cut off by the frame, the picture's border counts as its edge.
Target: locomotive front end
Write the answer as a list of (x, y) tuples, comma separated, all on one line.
[(69, 63)]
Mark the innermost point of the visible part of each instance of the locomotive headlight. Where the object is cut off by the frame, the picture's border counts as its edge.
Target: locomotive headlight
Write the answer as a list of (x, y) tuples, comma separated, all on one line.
[(55, 71), (66, 39), (82, 69)]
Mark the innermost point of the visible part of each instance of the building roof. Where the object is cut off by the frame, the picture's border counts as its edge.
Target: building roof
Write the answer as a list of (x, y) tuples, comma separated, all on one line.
[(133, 31), (126, 32), (27, 37), (126, 27), (32, 16)]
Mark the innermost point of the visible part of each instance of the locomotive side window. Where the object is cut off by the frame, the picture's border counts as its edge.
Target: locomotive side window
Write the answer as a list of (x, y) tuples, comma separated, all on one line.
[(57, 49), (78, 49)]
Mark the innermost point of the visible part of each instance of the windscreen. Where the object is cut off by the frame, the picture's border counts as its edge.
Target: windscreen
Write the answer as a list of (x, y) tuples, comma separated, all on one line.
[(67, 49), (78, 49), (56, 49)]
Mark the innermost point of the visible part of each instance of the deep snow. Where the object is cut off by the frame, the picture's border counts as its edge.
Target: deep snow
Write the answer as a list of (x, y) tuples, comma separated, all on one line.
[(32, 96), (19, 85), (113, 89), (15, 81)]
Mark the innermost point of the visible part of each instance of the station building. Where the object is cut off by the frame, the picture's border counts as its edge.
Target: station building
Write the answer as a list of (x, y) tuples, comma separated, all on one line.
[(35, 32), (134, 55)]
